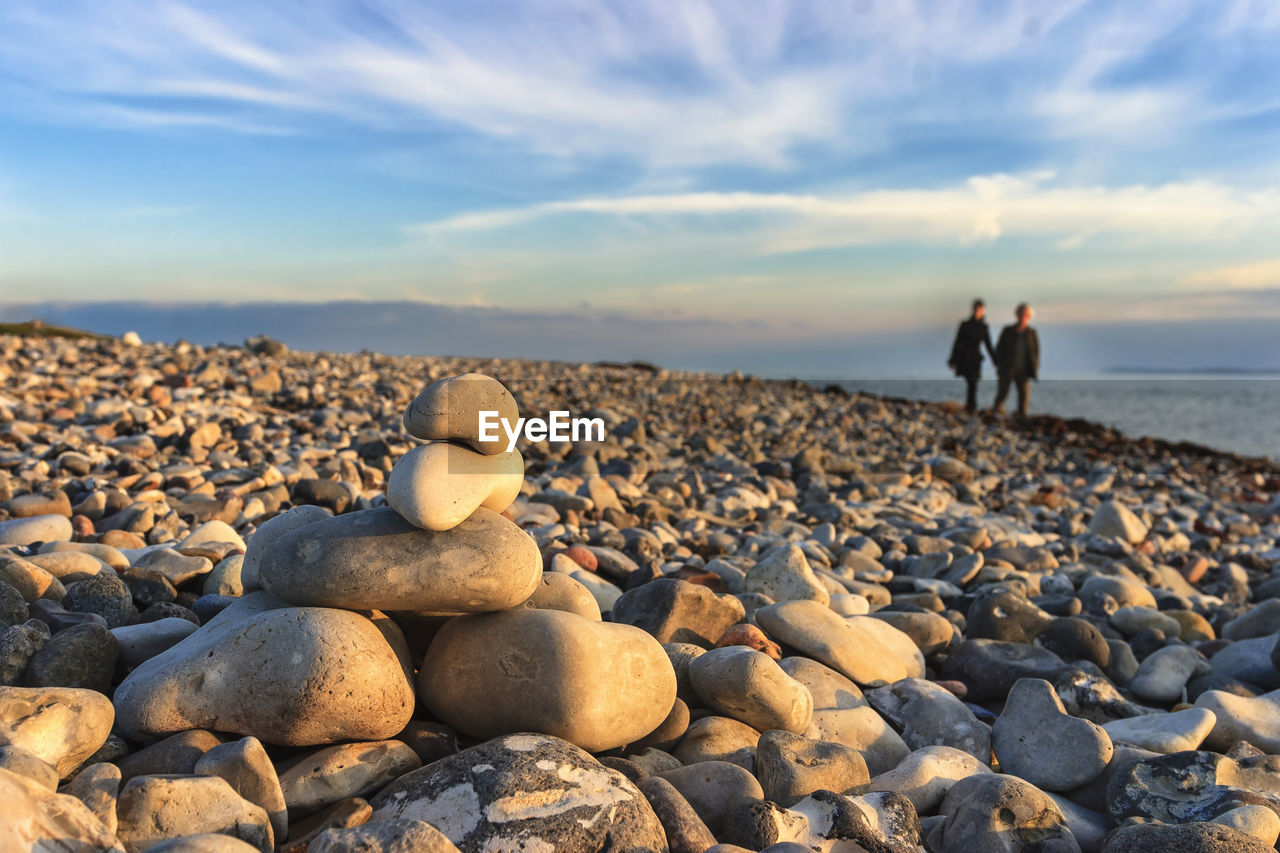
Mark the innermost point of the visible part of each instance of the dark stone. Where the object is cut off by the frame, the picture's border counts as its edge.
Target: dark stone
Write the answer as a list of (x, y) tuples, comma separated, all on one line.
[(608, 814), (13, 607), (1005, 616), (1057, 605), (148, 586), (431, 741), (668, 732), (176, 754), (208, 606), (18, 644), (676, 611), (166, 610), (1182, 838), (833, 817), (326, 493), (1193, 786), (58, 618), (1093, 698), (1073, 639), (1205, 683), (686, 833), (80, 656), (990, 667), (104, 594), (634, 772)]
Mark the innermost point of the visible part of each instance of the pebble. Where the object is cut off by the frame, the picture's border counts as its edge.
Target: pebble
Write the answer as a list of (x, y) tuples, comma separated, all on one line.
[(1001, 814), (449, 409), (33, 529), (1174, 732), (598, 685), (1255, 719), (438, 485), (278, 675), (61, 726), (865, 649), (337, 773), (246, 767), (925, 776), (790, 767), (675, 611), (1036, 740), (374, 559), (530, 791), (152, 809), (749, 686), (929, 715)]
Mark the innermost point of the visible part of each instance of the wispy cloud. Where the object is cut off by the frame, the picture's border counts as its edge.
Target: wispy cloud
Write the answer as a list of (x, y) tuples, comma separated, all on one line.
[(982, 209), (669, 85), (1261, 275)]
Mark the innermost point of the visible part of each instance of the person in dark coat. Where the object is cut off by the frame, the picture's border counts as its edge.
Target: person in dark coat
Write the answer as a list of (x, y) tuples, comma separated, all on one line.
[(966, 353), (1017, 359)]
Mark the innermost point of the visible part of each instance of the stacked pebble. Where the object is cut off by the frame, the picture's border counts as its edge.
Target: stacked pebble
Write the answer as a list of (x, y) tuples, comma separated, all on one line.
[(839, 623)]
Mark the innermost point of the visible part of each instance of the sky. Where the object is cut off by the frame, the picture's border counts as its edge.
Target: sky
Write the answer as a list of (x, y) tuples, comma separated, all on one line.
[(694, 183)]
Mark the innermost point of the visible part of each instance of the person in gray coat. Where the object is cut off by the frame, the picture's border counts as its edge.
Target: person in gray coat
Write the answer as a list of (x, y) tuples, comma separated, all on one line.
[(966, 353), (1017, 359)]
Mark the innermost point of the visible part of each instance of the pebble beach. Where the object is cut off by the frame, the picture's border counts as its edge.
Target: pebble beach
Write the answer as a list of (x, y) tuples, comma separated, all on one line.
[(255, 599)]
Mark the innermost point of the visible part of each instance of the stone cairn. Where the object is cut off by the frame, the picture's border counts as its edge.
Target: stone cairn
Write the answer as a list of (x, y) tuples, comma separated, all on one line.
[(317, 656)]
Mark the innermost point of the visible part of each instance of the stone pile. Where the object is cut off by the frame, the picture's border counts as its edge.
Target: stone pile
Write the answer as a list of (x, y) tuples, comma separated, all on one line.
[(272, 600)]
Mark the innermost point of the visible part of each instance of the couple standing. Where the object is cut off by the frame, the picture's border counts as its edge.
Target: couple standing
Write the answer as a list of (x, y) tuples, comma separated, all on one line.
[(1016, 356)]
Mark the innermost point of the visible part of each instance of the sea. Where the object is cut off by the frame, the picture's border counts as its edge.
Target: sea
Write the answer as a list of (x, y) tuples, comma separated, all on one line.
[(1229, 413)]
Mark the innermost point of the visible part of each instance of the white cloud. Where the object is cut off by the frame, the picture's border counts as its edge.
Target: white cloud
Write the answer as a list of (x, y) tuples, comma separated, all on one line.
[(667, 85), (1261, 275), (981, 210)]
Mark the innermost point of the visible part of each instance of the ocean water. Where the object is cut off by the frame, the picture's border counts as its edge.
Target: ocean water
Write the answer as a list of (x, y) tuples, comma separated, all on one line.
[(1239, 415)]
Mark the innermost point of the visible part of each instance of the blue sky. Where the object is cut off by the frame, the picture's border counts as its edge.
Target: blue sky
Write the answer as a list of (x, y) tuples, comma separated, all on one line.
[(801, 170)]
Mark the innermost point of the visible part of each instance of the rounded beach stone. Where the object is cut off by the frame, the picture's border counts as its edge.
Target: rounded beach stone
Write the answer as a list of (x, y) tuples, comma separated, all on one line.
[(865, 649), (929, 715), (1255, 719), (995, 813), (384, 836), (925, 776), (676, 611), (29, 580), (686, 832), (294, 676), (749, 686), (784, 574), (37, 819), (374, 559), (80, 656), (245, 766), (271, 530), (1116, 520), (715, 738), (61, 726), (98, 787), (449, 409), (156, 808), (791, 767), (103, 594), (436, 486), (558, 591), (1174, 732), (1183, 838), (525, 792), (36, 528), (336, 773), (596, 684), (1036, 739), (147, 639), (204, 842), (714, 789)]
